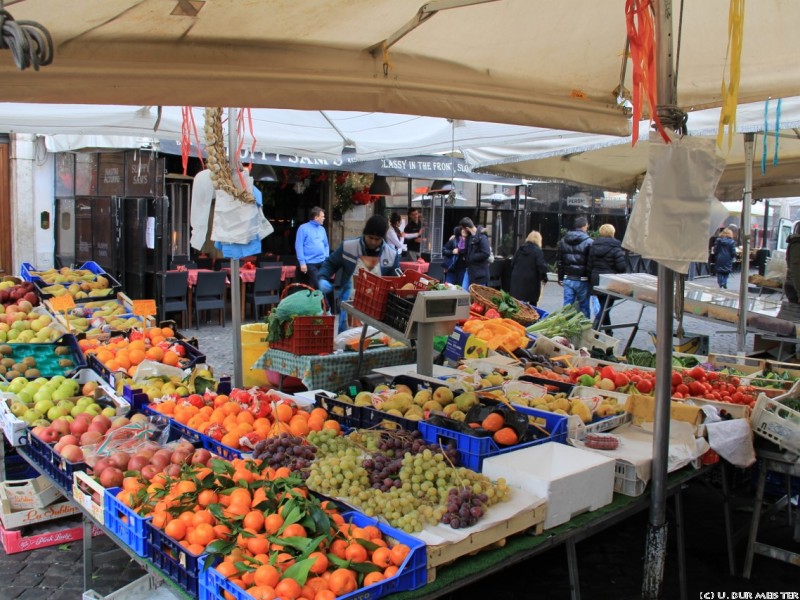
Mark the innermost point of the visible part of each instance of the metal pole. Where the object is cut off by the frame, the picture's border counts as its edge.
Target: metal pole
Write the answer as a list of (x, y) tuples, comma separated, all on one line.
[(656, 544), (236, 306), (741, 333)]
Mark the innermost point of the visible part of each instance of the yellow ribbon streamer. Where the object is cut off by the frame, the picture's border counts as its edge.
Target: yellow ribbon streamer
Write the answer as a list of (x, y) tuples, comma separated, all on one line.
[(730, 91)]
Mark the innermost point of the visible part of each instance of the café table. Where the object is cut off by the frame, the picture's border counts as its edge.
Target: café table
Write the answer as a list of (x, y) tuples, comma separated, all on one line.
[(415, 265), (331, 371)]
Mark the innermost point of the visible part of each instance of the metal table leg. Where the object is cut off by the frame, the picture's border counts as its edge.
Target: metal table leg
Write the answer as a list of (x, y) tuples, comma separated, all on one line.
[(572, 565), (88, 565), (751, 540), (681, 540), (726, 511)]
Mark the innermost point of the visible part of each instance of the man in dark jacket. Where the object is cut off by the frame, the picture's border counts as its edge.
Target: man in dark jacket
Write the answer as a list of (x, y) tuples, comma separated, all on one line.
[(478, 252), (605, 256), (573, 263)]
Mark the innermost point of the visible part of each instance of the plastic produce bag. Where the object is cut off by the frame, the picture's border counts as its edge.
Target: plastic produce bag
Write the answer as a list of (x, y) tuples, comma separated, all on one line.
[(303, 303), (671, 220)]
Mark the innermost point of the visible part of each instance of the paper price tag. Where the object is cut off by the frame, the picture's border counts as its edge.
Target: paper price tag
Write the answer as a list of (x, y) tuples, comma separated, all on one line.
[(62, 303), (144, 308)]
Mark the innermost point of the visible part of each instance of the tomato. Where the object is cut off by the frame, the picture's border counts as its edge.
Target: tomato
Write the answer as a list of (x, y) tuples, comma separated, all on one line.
[(712, 376), (737, 397), (682, 389), (585, 371), (644, 386), (608, 372), (476, 308), (677, 378), (621, 380), (697, 373), (696, 388), (677, 395)]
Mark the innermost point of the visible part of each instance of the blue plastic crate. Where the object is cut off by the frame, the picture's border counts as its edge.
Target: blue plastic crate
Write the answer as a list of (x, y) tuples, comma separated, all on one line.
[(17, 468), (54, 465), (183, 567), (411, 575), (551, 385), (193, 356), (25, 272), (473, 449), (139, 399), (124, 522)]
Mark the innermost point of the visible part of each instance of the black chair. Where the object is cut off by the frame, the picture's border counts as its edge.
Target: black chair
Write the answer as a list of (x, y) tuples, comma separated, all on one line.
[(266, 288), (173, 295), (263, 264), (210, 294), (435, 270)]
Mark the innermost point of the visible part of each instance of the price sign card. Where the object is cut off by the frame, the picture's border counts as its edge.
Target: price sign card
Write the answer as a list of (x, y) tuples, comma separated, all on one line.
[(62, 303), (144, 308)]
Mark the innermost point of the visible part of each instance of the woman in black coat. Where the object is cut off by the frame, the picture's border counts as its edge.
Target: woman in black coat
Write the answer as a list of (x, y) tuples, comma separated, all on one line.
[(725, 253), (529, 270), (454, 253), (605, 256), (478, 252)]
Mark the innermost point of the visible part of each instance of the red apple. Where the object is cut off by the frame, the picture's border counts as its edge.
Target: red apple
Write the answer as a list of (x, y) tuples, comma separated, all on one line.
[(61, 425), (70, 439), (79, 426), (48, 435), (150, 471), (91, 437), (179, 457), (99, 427), (111, 477), (72, 453), (120, 460), (100, 464), (102, 419), (159, 461), (173, 470), (201, 456), (136, 463)]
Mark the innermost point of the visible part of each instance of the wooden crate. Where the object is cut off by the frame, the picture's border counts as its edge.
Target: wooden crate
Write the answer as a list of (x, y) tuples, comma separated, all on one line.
[(493, 537)]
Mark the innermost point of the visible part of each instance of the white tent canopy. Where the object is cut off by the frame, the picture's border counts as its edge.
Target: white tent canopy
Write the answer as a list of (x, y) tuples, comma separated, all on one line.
[(612, 163), (527, 62)]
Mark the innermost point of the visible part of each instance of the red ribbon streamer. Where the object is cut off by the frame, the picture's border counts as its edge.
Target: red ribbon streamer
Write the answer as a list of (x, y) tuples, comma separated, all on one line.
[(641, 34)]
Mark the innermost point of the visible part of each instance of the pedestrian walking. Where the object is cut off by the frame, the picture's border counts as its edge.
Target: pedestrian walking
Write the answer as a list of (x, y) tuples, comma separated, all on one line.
[(369, 251), (725, 253), (454, 262), (529, 270), (605, 256), (573, 265), (311, 247), (478, 252)]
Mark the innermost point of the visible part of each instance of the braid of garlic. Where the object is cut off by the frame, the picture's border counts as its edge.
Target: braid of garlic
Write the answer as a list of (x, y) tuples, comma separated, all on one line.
[(221, 177)]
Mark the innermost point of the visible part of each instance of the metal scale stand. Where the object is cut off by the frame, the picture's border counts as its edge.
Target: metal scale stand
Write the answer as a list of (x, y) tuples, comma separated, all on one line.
[(435, 312)]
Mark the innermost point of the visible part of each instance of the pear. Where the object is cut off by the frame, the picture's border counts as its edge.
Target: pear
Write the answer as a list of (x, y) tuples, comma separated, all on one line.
[(443, 395), (465, 401), (422, 396)]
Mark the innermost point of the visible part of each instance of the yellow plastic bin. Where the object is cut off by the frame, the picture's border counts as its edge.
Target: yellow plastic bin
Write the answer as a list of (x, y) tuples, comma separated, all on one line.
[(254, 344)]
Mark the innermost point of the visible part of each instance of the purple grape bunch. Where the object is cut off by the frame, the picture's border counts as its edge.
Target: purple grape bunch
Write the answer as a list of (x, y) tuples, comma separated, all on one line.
[(464, 508), (286, 450)]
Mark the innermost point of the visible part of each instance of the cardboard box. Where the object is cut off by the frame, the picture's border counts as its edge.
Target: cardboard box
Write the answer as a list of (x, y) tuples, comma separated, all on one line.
[(30, 493), (690, 343), (572, 480), (643, 410), (89, 494), (12, 519), (14, 428), (41, 536)]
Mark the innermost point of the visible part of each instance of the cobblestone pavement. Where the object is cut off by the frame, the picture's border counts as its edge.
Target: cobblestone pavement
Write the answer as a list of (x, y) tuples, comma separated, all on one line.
[(610, 562)]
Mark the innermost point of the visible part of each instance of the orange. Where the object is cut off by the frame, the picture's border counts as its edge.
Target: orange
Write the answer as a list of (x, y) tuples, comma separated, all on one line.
[(112, 365), (299, 426), (288, 589), (262, 592), (206, 497), (283, 412), (231, 408), (186, 486), (227, 568), (355, 552), (240, 495), (246, 474), (136, 356), (399, 553), (505, 436), (222, 532), (203, 516), (342, 581), (320, 564), (319, 412), (267, 575), (167, 332), (127, 498), (236, 509), (254, 520), (372, 532), (203, 534), (175, 529), (284, 560), (390, 571), (160, 519), (170, 358), (382, 557), (123, 359), (373, 577), (272, 523), (316, 423), (338, 548), (231, 440), (294, 530), (258, 544), (132, 484), (331, 424), (155, 353), (324, 595), (245, 417), (187, 518)]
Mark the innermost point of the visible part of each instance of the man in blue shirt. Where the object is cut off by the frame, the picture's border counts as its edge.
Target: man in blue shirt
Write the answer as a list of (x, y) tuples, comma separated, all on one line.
[(311, 246)]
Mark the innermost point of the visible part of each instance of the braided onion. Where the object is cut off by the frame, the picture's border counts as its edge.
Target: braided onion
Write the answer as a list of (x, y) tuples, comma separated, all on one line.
[(221, 177)]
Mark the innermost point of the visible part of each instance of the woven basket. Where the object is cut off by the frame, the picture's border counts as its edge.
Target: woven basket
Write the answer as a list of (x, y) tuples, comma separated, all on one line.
[(485, 295)]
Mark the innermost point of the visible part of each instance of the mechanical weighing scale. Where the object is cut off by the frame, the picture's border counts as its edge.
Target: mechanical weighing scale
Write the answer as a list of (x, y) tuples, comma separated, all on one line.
[(435, 312)]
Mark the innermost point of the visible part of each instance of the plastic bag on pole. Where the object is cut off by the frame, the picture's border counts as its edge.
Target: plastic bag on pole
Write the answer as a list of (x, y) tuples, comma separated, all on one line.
[(671, 219)]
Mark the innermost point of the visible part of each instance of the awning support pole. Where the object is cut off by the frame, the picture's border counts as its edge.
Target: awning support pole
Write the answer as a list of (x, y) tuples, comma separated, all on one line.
[(747, 197), (236, 305)]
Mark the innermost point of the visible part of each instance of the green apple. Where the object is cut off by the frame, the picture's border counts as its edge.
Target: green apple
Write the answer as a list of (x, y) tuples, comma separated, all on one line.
[(182, 391), (61, 393), (31, 415), (58, 379), (67, 405), (18, 408), (17, 384), (109, 411), (56, 412), (12, 335), (44, 405), (3, 336), (25, 396)]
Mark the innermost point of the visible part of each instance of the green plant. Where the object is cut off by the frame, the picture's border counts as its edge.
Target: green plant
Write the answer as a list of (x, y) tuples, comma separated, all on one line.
[(350, 189)]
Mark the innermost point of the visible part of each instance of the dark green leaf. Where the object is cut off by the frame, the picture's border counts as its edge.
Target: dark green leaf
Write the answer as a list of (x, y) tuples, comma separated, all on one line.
[(220, 547), (299, 571)]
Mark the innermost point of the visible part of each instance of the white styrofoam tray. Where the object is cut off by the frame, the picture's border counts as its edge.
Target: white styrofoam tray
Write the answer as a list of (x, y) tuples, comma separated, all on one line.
[(572, 480)]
